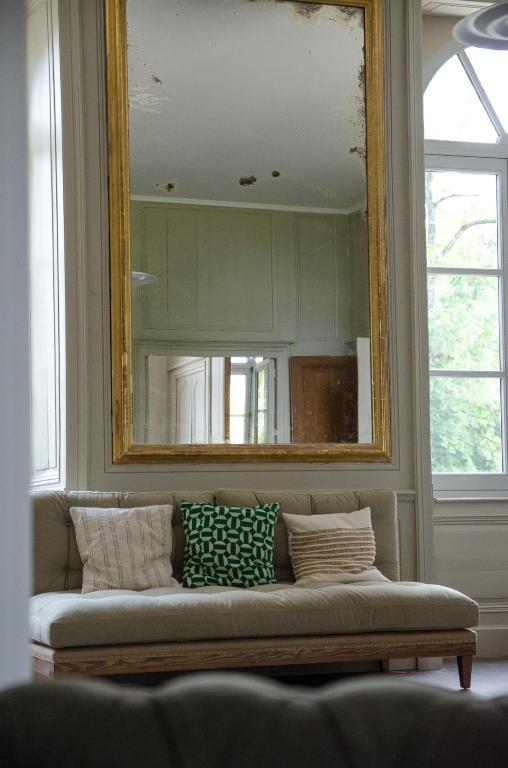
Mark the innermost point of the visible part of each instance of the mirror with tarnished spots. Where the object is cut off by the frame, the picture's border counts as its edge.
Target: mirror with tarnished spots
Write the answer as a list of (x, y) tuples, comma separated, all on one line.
[(246, 200)]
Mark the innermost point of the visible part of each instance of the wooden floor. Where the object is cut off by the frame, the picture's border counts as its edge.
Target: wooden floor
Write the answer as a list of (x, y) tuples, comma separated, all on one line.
[(490, 676), (489, 679)]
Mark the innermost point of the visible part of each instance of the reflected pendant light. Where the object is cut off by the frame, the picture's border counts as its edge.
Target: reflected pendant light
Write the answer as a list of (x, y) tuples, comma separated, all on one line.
[(487, 28), (142, 278)]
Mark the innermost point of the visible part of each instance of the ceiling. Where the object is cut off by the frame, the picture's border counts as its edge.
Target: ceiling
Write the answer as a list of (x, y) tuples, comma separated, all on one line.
[(453, 7), (247, 102)]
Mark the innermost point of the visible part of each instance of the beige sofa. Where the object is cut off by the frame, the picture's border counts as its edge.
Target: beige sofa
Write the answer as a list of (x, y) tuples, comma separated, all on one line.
[(167, 629)]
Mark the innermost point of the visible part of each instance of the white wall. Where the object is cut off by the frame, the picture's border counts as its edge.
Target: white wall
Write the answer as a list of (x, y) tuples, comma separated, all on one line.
[(14, 384), (438, 43), (91, 433)]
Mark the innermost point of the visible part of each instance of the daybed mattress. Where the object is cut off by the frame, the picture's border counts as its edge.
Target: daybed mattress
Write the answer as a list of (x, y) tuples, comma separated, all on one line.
[(71, 619)]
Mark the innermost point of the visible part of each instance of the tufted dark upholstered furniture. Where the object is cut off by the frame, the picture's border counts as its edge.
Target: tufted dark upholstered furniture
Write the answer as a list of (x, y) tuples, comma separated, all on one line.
[(215, 720)]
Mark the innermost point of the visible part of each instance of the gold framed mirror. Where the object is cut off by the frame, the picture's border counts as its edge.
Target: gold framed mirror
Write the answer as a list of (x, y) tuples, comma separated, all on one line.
[(248, 262)]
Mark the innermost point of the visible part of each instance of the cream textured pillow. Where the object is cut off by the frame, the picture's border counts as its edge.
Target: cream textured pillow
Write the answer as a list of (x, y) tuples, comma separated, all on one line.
[(338, 547), (124, 548)]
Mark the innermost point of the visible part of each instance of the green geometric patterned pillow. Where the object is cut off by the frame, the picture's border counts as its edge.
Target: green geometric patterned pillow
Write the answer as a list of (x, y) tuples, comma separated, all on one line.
[(228, 546)]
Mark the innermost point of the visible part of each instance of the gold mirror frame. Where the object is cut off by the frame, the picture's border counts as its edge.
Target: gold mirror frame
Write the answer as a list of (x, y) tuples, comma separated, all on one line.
[(125, 451)]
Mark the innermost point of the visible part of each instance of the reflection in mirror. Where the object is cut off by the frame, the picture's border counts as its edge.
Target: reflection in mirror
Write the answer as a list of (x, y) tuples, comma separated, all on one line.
[(211, 400), (248, 204), (251, 399), (246, 219)]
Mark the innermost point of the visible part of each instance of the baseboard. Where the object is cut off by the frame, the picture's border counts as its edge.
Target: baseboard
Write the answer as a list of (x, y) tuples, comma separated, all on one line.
[(402, 665), (427, 664), (492, 642), (493, 630)]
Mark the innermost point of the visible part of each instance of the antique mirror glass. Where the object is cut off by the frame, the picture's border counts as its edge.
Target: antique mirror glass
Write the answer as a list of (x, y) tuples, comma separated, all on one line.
[(246, 229)]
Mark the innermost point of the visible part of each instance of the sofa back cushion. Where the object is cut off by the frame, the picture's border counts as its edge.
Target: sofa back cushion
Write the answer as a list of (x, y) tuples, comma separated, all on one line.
[(57, 564), (382, 503)]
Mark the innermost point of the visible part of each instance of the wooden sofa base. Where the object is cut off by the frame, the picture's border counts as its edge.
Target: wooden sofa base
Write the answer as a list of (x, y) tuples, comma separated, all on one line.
[(256, 652)]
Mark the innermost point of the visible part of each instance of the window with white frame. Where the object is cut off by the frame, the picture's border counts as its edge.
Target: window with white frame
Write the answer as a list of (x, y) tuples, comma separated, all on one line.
[(46, 258), (466, 124), (252, 400)]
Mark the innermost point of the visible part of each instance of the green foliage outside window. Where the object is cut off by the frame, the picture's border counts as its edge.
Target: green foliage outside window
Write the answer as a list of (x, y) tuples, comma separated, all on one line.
[(465, 423), (464, 322)]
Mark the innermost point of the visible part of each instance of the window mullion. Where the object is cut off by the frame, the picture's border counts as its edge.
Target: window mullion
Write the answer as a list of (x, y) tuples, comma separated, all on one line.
[(502, 214), (481, 92), (465, 373), (465, 271)]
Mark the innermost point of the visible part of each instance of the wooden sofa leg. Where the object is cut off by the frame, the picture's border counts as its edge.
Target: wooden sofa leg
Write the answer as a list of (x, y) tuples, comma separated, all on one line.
[(384, 665), (465, 665)]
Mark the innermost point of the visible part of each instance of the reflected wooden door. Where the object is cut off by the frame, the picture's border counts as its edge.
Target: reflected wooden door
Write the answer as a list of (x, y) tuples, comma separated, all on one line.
[(324, 399)]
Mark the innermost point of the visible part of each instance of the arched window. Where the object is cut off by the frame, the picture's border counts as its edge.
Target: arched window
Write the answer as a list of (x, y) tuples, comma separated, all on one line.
[(467, 98), (466, 132)]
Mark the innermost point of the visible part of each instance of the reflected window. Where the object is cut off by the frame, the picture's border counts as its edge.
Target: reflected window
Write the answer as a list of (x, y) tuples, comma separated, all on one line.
[(252, 417), (239, 415), (207, 399)]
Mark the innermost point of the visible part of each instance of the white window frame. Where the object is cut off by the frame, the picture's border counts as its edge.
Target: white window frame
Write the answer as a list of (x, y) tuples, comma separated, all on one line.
[(483, 481), (280, 353), (250, 370), (488, 158)]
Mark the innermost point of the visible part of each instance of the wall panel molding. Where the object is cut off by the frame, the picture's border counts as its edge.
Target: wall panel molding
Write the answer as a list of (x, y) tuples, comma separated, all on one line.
[(471, 520), (471, 500), (493, 606), (420, 348), (73, 140), (493, 630)]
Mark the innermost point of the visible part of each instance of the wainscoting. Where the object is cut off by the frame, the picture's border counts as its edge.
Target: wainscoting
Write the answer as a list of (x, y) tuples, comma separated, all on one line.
[(471, 545)]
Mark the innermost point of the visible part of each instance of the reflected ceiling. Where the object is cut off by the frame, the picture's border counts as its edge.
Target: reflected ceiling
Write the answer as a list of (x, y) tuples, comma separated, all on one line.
[(282, 146)]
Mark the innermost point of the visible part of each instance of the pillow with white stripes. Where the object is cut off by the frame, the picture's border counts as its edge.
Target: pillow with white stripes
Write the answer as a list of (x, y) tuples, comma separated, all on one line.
[(124, 548), (337, 547)]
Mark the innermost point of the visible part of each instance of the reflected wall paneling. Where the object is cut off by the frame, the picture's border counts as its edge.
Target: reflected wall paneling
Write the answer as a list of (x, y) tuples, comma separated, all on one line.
[(205, 258)]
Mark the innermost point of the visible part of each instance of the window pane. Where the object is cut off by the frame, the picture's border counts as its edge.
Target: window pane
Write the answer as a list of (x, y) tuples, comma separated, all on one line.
[(239, 359), (453, 111), (237, 429), (262, 428), (461, 219), (490, 67), (262, 390), (237, 393), (465, 425), (464, 322)]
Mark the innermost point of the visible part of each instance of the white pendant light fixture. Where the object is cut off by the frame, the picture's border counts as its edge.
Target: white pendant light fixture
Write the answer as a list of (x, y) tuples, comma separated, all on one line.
[(487, 28), (140, 279)]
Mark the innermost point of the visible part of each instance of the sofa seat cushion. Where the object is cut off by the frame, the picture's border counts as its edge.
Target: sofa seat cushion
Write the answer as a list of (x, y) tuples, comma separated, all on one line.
[(71, 619)]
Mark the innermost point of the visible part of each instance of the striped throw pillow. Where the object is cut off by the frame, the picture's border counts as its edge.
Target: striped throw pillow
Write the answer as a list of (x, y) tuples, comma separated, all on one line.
[(124, 548), (328, 547)]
